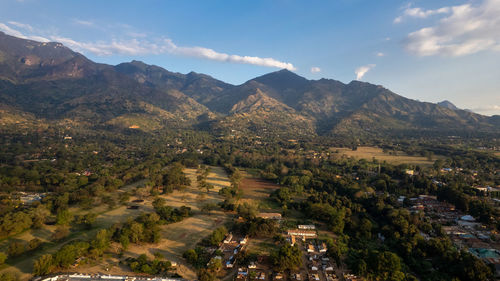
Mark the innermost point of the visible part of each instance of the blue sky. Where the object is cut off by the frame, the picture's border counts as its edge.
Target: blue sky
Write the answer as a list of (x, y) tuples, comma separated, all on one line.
[(423, 49)]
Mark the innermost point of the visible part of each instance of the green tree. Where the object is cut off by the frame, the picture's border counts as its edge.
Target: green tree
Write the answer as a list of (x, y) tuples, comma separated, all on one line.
[(3, 257), (206, 275), (33, 244), (102, 240), (217, 236), (15, 249), (191, 256), (64, 217), (87, 220), (247, 210), (39, 214), (215, 265), (287, 258), (43, 265), (8, 276), (136, 232), (159, 203), (124, 241), (60, 233)]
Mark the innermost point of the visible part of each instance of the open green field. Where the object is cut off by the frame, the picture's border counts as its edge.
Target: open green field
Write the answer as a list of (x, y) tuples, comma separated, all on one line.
[(23, 265), (262, 246), (181, 236), (176, 237), (368, 153)]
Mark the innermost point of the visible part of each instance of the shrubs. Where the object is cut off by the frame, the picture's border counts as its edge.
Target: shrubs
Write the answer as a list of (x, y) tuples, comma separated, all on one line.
[(8, 276), (287, 258), (43, 265), (70, 253), (258, 227), (60, 233), (3, 257), (15, 249), (217, 236), (143, 265), (146, 227), (197, 257), (171, 215)]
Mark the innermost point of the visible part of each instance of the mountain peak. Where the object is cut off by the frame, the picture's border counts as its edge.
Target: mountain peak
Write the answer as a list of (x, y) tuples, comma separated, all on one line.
[(447, 104), (281, 75), (282, 81)]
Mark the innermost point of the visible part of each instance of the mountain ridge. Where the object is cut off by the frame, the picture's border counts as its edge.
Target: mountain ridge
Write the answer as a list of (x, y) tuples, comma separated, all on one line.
[(50, 81)]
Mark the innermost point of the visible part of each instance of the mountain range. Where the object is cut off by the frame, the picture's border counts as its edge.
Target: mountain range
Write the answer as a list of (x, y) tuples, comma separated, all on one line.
[(50, 82)]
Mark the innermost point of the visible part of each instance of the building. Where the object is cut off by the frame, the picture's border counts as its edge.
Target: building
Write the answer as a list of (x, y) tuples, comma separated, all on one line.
[(303, 233), (306, 226), (323, 248), (30, 198), (270, 216), (228, 239), (467, 218), (310, 248), (410, 172), (278, 276)]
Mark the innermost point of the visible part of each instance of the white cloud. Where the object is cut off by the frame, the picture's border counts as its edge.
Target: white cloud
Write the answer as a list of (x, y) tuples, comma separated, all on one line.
[(21, 25), (488, 110), (380, 54), (143, 46), (83, 22), (210, 54), (315, 69), (420, 13), (11, 31), (5, 28), (362, 70), (467, 30)]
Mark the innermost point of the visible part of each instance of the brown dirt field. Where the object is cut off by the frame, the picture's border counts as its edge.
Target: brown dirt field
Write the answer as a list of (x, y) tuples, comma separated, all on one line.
[(368, 153), (257, 191)]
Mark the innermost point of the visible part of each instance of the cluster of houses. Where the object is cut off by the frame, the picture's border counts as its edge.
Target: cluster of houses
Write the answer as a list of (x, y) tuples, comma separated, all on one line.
[(465, 232), (317, 265), (29, 198), (229, 248)]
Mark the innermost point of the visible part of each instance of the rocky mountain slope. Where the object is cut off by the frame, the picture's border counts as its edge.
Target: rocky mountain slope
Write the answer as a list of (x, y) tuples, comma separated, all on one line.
[(49, 81)]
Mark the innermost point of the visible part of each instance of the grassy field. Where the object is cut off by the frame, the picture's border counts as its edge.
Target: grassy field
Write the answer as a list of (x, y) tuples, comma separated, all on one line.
[(23, 265), (257, 191), (368, 153), (262, 246), (176, 237), (184, 235)]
